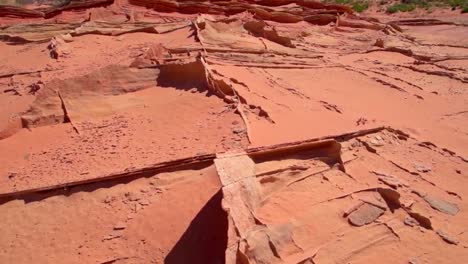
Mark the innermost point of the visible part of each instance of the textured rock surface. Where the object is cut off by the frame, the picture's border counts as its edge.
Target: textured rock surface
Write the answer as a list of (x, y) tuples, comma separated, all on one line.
[(247, 131)]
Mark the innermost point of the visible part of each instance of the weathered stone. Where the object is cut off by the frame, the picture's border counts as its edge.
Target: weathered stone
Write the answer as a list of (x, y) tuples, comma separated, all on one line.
[(441, 205), (422, 167), (365, 214), (410, 221), (120, 226), (447, 237)]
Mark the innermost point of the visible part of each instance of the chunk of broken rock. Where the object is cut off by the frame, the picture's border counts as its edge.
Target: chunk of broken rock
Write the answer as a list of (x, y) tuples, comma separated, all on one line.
[(132, 197), (407, 203), (238, 130), (379, 43), (377, 143), (422, 167), (365, 214), (447, 237), (144, 202), (410, 221), (111, 236), (67, 37), (441, 205), (389, 180), (120, 226)]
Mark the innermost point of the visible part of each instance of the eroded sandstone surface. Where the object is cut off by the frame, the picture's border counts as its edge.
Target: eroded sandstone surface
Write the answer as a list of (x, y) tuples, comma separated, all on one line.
[(288, 131)]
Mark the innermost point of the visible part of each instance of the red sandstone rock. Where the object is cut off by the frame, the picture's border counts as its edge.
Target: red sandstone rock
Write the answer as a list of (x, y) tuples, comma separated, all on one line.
[(256, 131)]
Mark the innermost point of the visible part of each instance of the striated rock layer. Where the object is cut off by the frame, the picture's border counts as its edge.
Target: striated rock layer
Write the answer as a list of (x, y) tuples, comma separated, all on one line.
[(285, 131)]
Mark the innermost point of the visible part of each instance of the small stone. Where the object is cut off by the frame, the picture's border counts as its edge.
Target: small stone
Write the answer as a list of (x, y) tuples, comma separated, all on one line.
[(33, 88), (409, 221), (365, 214), (422, 167), (238, 130), (376, 143), (109, 199), (120, 226), (111, 236), (447, 237), (67, 37), (379, 43), (390, 181), (144, 202), (132, 196), (407, 203)]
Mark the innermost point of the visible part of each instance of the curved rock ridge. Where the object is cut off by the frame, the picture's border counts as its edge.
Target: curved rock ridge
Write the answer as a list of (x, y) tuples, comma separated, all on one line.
[(283, 11), (56, 7), (25, 33)]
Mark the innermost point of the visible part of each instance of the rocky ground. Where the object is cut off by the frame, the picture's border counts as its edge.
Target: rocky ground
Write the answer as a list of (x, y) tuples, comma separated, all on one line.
[(289, 131)]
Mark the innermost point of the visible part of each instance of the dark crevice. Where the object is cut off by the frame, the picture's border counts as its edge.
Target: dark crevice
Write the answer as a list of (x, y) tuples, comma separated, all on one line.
[(273, 249), (186, 76), (66, 118)]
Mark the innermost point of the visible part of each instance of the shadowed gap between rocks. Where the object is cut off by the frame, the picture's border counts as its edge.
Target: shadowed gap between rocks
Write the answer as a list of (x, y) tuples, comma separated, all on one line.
[(205, 240), (187, 76)]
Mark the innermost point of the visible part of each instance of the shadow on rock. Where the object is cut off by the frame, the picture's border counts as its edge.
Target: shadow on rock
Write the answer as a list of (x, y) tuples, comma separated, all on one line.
[(205, 240)]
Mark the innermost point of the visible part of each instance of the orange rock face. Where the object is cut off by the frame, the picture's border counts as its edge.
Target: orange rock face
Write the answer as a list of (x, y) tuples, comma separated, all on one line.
[(285, 131)]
